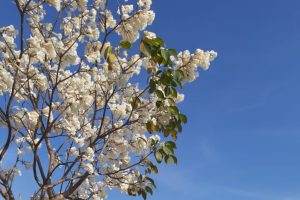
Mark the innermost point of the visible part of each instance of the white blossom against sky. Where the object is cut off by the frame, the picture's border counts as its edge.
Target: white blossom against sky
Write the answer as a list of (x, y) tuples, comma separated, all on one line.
[(242, 141)]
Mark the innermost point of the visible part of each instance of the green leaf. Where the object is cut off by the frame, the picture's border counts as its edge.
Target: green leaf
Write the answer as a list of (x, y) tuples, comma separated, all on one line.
[(168, 150), (165, 55), (144, 194), (111, 57), (174, 92), (171, 101), (159, 41), (166, 133), (178, 83), (148, 171), (170, 64), (125, 44), (154, 169), (145, 49), (158, 72), (179, 127), (166, 78), (178, 74), (160, 94), (135, 102), (183, 118), (173, 52), (130, 192), (171, 158), (156, 57), (107, 51), (173, 110), (151, 181), (167, 159), (150, 127), (159, 104), (174, 134), (156, 42), (149, 41), (174, 159), (167, 91), (152, 86), (149, 190), (171, 144), (158, 156)]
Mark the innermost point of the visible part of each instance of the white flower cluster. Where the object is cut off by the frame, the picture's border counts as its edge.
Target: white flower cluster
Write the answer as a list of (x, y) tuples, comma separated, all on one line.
[(130, 28), (190, 62)]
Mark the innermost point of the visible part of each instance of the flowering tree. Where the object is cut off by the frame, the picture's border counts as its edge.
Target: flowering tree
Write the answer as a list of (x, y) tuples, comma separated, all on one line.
[(86, 96)]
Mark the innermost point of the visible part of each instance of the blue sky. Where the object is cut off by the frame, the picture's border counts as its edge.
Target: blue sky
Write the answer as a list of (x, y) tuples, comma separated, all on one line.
[(242, 141)]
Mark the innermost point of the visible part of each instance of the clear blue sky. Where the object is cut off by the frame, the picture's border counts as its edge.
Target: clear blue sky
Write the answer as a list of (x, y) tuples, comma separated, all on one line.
[(242, 141)]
